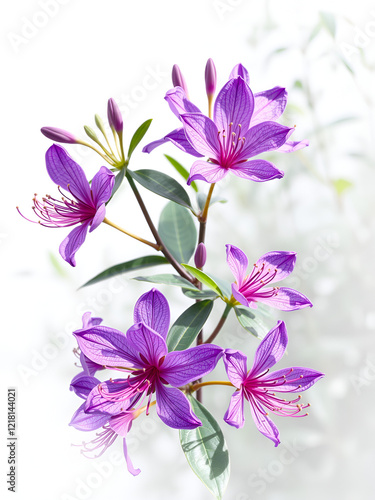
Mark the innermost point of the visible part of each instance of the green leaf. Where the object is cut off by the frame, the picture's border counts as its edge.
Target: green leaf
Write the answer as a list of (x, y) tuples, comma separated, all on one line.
[(186, 328), (163, 185), (178, 232), (131, 265), (199, 294), (167, 279), (206, 451), (138, 136), (251, 321), (342, 185), (201, 200), (182, 171), (204, 278), (329, 22)]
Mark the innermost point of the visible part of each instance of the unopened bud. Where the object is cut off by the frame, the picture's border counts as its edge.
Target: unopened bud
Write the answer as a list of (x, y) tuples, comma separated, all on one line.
[(200, 256), (178, 79), (100, 124), (89, 131), (210, 77), (114, 115), (59, 135)]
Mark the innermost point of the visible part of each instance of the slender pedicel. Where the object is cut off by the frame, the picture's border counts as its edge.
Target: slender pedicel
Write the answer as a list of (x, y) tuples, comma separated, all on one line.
[(149, 243)]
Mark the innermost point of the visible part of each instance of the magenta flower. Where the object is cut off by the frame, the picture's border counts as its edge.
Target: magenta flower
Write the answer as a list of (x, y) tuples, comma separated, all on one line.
[(258, 386), (142, 353), (270, 268), (112, 426), (85, 204)]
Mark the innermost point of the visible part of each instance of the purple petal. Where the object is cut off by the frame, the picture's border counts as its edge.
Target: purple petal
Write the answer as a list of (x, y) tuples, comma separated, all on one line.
[(236, 366), (294, 379), (239, 296), (88, 321), (286, 299), (235, 413), (280, 263), (257, 171), (65, 172), (89, 367), (237, 262), (206, 171), (241, 71), (102, 186), (269, 105), (129, 463), (182, 367), (266, 136), (179, 103), (121, 423), (108, 347), (83, 421), (98, 218), (265, 424), (270, 350), (147, 343), (291, 146), (234, 106), (73, 242), (202, 134), (83, 384), (109, 404), (152, 310), (176, 137), (174, 409)]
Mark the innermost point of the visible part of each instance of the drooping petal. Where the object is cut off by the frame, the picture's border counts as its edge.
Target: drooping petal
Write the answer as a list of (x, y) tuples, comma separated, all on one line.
[(83, 384), (98, 218), (108, 347), (88, 321), (265, 424), (235, 413), (296, 379), (269, 105), (147, 343), (286, 299), (176, 137), (102, 186), (237, 262), (174, 409), (83, 421), (234, 106), (266, 136), (89, 367), (182, 367), (65, 172), (73, 242), (202, 134), (279, 263), (179, 103), (241, 71), (270, 350), (105, 398), (257, 171), (291, 146), (206, 171), (239, 296), (121, 423), (133, 471), (235, 363), (152, 310)]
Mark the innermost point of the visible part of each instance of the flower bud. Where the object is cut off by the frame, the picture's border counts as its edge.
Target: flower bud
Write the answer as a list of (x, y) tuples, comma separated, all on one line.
[(114, 115), (178, 79), (59, 135), (90, 132), (200, 256), (210, 77)]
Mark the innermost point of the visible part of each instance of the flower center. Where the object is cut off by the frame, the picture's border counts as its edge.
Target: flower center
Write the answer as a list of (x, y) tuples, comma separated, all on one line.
[(259, 277), (231, 145)]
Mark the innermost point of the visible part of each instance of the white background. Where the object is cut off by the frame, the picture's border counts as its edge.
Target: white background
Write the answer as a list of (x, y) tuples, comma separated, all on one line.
[(60, 64)]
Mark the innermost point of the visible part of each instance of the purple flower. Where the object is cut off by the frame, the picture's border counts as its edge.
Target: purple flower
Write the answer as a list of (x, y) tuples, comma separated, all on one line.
[(89, 367), (258, 386), (270, 268), (142, 354), (112, 426), (85, 207), (59, 135), (178, 79), (210, 78), (114, 116)]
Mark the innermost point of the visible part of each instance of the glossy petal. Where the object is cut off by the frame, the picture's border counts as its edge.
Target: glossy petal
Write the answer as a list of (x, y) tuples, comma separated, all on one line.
[(89, 367), (98, 218), (286, 299), (234, 105), (102, 186), (284, 262), (235, 363), (82, 385), (133, 471), (206, 171), (73, 242), (202, 134), (182, 367), (121, 423), (257, 171), (83, 421), (239, 296), (270, 350), (237, 262), (235, 413), (96, 402), (174, 409), (178, 138), (65, 172), (291, 146), (152, 310), (147, 343), (241, 71), (266, 136), (179, 103), (296, 379), (265, 425), (269, 105), (88, 321)]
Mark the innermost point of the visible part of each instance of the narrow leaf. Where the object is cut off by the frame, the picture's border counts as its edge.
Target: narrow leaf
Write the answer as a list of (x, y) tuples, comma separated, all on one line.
[(167, 279), (186, 328), (251, 322), (182, 171), (118, 181), (199, 294), (204, 278), (206, 451), (138, 136), (131, 265)]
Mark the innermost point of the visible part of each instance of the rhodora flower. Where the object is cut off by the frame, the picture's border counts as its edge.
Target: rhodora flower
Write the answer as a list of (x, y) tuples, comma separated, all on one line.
[(84, 206), (270, 268), (143, 352), (258, 386), (112, 426)]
